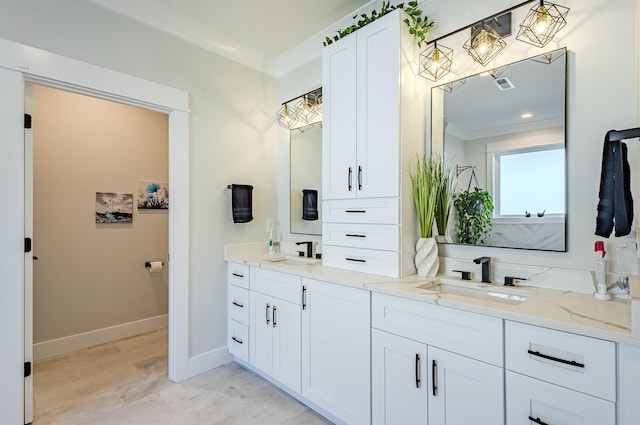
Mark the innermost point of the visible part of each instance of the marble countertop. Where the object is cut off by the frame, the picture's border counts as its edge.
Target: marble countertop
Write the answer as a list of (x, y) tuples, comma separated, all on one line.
[(563, 310)]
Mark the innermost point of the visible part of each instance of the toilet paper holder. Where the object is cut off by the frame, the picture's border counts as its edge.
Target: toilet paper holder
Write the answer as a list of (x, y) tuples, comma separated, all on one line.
[(148, 264)]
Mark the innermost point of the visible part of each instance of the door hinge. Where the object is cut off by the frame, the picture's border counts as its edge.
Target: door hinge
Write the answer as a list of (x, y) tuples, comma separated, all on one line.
[(27, 245), (27, 369), (27, 121)]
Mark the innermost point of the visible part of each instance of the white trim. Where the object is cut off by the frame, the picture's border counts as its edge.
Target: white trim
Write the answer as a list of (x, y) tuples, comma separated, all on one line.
[(54, 70), (209, 360), (66, 344)]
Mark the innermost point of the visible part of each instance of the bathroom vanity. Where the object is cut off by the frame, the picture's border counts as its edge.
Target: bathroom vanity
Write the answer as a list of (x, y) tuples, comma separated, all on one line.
[(380, 350)]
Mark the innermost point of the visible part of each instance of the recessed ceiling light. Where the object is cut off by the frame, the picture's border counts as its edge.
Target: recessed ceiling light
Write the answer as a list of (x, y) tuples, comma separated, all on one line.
[(526, 115)]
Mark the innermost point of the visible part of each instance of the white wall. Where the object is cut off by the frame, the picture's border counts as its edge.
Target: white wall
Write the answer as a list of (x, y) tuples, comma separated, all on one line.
[(602, 95), (91, 276), (232, 131)]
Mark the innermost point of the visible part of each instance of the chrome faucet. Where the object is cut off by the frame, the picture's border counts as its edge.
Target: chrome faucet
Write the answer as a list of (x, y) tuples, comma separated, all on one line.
[(486, 268)]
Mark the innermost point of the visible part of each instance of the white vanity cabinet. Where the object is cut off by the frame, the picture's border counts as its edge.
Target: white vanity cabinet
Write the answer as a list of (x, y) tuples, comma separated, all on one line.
[(238, 309), (373, 126), (336, 350), (274, 331), (435, 365), (555, 377)]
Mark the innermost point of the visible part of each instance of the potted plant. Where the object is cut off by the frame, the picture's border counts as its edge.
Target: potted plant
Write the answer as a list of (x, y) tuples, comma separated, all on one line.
[(425, 182), (474, 215), (444, 199)]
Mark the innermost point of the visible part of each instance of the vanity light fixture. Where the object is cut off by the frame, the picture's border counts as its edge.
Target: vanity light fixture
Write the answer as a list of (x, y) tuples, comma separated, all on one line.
[(435, 62), (485, 42), (542, 23), (302, 112)]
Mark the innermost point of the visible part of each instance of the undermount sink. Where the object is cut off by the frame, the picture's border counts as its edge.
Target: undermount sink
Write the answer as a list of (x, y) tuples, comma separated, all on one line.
[(291, 260), (475, 290)]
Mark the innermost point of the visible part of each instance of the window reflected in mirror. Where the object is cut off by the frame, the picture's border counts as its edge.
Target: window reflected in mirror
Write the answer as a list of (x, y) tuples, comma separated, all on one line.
[(504, 131)]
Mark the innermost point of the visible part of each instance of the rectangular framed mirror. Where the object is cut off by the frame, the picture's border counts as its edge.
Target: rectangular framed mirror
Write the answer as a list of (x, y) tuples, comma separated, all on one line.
[(505, 132), (306, 180)]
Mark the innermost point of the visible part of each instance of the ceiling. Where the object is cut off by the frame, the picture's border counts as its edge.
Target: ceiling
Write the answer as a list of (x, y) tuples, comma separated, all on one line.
[(253, 32)]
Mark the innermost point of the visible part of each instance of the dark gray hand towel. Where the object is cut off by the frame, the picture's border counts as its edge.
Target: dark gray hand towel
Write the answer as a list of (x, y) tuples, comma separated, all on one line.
[(309, 204), (615, 208), (241, 203)]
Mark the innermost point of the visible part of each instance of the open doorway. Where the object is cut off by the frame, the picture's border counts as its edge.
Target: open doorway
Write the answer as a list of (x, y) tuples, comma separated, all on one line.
[(100, 212)]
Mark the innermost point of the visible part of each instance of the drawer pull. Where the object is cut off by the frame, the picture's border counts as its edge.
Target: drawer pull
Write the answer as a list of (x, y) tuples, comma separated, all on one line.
[(356, 211), (240, 275), (538, 421), (238, 304), (356, 260), (555, 359), (417, 370), (274, 315), (239, 341), (434, 377), (351, 235), (267, 314), (349, 178)]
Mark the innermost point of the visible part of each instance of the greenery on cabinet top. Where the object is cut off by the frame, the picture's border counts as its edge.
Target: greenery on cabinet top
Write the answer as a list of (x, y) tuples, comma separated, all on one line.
[(418, 24)]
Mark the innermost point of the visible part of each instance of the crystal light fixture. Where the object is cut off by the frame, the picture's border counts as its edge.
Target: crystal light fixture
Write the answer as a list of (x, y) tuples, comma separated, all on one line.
[(542, 23), (435, 62), (484, 45)]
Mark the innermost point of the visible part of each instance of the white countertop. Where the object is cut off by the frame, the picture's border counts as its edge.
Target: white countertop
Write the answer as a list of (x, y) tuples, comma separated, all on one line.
[(568, 311)]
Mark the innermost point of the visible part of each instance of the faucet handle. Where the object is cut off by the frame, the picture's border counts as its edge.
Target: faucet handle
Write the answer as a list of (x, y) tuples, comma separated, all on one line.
[(508, 280), (465, 274)]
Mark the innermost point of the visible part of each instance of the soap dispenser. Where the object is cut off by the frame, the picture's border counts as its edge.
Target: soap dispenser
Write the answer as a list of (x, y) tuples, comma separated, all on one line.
[(601, 273)]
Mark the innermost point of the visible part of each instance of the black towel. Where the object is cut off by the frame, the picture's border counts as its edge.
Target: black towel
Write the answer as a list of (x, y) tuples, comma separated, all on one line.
[(241, 203), (616, 203), (309, 204)]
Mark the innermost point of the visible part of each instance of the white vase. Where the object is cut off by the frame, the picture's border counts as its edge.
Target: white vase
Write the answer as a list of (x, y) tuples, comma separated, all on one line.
[(426, 260)]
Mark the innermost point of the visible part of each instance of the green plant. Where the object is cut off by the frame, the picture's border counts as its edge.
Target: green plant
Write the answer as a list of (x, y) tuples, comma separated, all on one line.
[(425, 182), (474, 215), (444, 199), (418, 25)]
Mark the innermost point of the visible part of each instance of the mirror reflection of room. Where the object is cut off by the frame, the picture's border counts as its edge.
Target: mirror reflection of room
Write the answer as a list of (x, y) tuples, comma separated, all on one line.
[(504, 131), (306, 181)]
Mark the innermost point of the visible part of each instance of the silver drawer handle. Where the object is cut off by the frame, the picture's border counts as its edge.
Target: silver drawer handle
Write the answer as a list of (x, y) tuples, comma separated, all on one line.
[(555, 359)]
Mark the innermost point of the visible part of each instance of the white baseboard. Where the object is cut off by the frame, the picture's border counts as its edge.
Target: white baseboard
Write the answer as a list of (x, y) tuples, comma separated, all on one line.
[(209, 360), (45, 349)]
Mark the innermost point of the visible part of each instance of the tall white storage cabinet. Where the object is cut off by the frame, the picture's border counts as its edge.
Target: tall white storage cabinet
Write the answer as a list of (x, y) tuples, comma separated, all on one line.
[(373, 126)]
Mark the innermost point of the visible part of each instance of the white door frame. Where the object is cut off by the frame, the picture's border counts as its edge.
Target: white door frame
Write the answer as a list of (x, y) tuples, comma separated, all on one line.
[(20, 64)]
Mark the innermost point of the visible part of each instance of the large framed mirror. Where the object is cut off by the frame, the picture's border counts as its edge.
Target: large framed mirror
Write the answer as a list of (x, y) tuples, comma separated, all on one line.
[(306, 180), (504, 131)]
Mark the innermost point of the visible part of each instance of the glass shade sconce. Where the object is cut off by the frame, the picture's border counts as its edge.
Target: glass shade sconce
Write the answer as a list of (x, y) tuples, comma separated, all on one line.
[(302, 112), (435, 62), (542, 23), (487, 38)]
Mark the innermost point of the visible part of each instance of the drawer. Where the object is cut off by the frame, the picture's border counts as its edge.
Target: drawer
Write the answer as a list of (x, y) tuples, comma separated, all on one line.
[(238, 274), (365, 211), (238, 340), (385, 263), (551, 404), (239, 304), (287, 287), (469, 334), (573, 361), (379, 236)]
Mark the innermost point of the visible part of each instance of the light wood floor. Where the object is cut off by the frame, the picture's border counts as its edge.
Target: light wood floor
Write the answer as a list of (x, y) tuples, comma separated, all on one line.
[(125, 382)]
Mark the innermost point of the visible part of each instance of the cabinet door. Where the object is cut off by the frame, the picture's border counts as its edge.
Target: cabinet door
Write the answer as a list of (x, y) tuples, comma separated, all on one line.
[(399, 392), (530, 401), (336, 354), (378, 117), (260, 332), (339, 173), (286, 343), (464, 391)]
